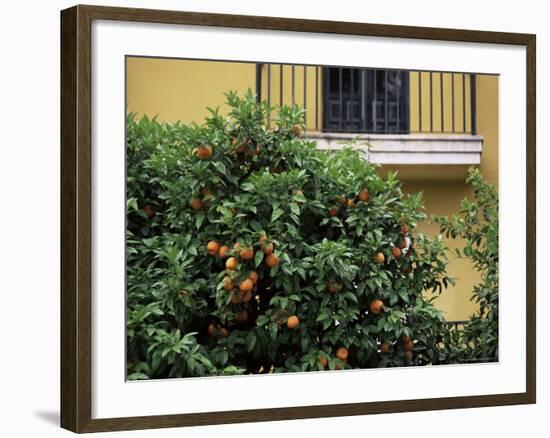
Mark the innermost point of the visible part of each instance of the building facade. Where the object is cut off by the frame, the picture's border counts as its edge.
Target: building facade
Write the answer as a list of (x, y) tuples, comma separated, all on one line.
[(428, 126)]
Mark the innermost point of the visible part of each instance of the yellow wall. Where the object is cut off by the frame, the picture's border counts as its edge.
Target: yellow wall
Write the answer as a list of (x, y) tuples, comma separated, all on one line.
[(175, 89), (181, 90)]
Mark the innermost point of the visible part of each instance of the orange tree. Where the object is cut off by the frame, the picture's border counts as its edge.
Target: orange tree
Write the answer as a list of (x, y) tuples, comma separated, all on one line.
[(251, 251)]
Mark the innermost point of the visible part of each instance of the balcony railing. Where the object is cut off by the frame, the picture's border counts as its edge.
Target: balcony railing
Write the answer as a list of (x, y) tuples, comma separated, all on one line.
[(373, 101)]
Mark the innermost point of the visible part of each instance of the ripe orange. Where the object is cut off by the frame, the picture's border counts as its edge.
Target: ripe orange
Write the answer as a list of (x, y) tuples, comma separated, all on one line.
[(246, 285), (342, 354), (334, 287), (364, 195), (213, 247), (292, 322), (396, 252), (376, 306), (196, 204), (323, 361), (402, 244), (211, 329), (231, 263), (149, 211), (247, 254), (223, 251), (228, 284), (241, 316), (204, 152), (351, 203), (385, 347), (235, 298), (246, 296), (408, 343), (253, 277), (222, 333), (404, 229), (333, 212), (272, 260), (378, 258), (296, 130), (266, 249)]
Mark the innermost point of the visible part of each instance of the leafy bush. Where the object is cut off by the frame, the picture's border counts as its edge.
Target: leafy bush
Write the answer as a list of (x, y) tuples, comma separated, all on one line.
[(250, 251), (477, 224)]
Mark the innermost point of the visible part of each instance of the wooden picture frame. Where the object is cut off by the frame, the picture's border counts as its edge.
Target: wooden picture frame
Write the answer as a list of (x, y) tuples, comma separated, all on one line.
[(76, 217)]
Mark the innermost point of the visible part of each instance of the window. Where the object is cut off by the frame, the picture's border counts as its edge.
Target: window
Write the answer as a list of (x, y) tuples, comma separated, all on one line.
[(365, 100)]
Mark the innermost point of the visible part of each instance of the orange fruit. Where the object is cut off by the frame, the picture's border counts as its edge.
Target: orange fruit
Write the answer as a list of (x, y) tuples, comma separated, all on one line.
[(253, 277), (268, 249), (334, 287), (364, 195), (342, 354), (404, 229), (333, 212), (223, 251), (402, 244), (385, 347), (241, 316), (211, 329), (342, 200), (246, 285), (222, 333), (196, 204), (228, 284), (292, 322), (376, 306), (149, 211), (213, 247), (246, 254), (323, 361), (351, 203), (246, 296), (204, 152), (408, 343), (378, 258), (272, 260), (396, 252), (235, 298), (296, 130), (231, 263)]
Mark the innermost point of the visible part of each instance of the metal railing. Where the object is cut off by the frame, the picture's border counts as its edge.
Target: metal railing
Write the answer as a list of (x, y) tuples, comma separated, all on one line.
[(366, 100)]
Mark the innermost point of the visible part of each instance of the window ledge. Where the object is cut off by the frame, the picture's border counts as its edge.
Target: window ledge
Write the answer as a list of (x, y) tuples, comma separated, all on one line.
[(409, 149)]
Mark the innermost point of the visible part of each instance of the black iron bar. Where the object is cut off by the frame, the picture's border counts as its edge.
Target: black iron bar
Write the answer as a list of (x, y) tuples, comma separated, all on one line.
[(398, 100), (386, 109), (340, 94), (419, 101), (269, 95), (352, 96), (317, 98), (463, 103), (441, 103), (305, 96), (259, 82), (431, 103), (473, 103), (453, 100)]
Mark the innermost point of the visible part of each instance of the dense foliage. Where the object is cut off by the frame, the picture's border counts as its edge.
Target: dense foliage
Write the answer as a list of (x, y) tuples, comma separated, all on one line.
[(477, 224), (250, 251)]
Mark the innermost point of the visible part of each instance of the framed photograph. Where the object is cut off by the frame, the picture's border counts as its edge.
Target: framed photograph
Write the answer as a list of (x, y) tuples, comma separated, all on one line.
[(268, 218)]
